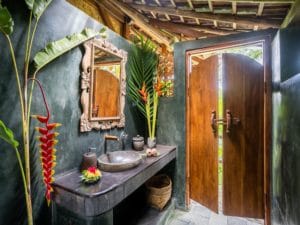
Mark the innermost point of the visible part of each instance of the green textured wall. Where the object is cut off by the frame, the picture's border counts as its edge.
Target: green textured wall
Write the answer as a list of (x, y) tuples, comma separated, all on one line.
[(61, 80), (286, 128)]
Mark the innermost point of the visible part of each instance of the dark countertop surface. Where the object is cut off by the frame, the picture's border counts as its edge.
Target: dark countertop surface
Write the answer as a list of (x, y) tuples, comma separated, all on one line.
[(116, 184)]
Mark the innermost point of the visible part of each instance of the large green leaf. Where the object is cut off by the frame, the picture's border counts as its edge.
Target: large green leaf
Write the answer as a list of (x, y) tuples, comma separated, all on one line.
[(7, 135), (6, 21), (142, 64), (58, 48), (30, 4), (38, 6)]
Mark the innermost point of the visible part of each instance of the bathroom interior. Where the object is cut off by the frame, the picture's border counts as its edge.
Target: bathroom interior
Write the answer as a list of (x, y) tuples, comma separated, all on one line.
[(149, 112)]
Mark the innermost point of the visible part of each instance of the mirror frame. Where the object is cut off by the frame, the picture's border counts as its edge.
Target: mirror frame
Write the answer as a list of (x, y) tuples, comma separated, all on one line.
[(86, 122)]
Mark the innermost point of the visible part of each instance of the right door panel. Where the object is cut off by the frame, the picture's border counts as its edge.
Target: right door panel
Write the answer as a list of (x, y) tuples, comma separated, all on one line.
[(243, 145)]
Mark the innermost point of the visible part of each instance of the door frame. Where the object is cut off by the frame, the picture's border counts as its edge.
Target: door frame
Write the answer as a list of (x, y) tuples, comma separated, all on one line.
[(266, 41)]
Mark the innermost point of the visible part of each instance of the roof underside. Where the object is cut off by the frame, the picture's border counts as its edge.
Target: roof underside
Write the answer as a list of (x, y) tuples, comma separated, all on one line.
[(167, 21)]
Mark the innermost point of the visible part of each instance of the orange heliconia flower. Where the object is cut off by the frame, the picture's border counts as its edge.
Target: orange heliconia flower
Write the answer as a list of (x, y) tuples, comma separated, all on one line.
[(144, 93), (158, 87)]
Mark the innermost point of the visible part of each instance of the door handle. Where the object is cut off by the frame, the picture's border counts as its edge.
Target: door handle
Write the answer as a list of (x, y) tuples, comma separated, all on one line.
[(229, 121), (213, 119)]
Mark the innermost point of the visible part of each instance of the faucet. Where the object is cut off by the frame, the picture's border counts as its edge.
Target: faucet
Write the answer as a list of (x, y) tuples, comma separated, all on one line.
[(121, 139)]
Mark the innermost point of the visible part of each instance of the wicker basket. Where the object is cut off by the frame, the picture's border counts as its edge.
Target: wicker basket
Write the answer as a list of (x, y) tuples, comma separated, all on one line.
[(159, 191)]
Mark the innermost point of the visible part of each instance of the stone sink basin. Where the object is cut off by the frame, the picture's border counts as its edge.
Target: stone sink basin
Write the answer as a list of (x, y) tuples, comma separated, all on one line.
[(119, 161)]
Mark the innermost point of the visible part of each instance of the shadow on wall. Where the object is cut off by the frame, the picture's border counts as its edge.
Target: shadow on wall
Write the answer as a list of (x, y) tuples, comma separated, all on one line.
[(286, 153)]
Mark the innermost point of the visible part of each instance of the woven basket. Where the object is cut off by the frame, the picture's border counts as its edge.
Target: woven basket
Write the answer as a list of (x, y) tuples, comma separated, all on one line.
[(159, 191)]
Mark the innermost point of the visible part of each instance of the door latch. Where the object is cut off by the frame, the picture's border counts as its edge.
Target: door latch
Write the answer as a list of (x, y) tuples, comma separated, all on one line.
[(229, 121)]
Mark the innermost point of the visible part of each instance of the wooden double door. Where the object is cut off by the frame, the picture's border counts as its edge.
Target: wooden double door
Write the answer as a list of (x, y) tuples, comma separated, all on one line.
[(243, 134)]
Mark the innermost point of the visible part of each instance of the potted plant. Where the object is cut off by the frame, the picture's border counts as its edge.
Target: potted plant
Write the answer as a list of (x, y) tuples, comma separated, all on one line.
[(144, 85)]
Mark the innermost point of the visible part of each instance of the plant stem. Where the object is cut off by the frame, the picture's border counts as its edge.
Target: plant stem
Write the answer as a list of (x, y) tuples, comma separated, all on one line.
[(30, 96), (27, 195), (28, 53), (155, 104), (26, 179), (17, 78), (148, 117)]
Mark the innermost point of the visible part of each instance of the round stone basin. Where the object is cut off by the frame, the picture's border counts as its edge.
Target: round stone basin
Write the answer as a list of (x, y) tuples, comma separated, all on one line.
[(119, 161)]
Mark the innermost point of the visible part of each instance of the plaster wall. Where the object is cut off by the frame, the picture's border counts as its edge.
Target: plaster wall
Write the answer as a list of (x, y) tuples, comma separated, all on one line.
[(286, 128), (61, 81)]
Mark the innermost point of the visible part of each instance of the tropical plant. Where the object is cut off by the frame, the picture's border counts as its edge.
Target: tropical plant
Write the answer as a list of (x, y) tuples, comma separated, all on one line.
[(41, 59), (144, 85)]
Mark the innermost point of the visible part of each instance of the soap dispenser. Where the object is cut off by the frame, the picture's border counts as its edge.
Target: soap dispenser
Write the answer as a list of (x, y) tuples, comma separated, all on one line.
[(89, 159)]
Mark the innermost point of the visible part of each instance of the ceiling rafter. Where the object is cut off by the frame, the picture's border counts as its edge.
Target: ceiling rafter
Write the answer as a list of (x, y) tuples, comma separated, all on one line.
[(210, 17), (141, 21), (234, 11), (254, 1), (179, 29)]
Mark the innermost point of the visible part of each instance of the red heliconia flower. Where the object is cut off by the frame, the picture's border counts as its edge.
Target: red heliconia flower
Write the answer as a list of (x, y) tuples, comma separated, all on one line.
[(42, 119), (42, 130), (47, 150), (143, 92)]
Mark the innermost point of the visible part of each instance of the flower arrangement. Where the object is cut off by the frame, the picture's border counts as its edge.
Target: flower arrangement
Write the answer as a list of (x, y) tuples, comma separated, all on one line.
[(144, 85), (91, 175)]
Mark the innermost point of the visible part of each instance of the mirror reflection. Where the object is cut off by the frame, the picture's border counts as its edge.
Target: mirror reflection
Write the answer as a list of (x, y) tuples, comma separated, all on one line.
[(103, 86), (106, 85)]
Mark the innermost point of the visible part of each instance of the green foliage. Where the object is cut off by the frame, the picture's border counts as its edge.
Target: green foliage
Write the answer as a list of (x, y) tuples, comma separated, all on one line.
[(57, 48), (142, 64), (7, 135), (6, 21), (37, 6)]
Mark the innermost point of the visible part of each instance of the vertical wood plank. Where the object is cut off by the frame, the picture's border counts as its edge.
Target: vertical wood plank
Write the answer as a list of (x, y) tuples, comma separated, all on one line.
[(243, 154), (202, 140)]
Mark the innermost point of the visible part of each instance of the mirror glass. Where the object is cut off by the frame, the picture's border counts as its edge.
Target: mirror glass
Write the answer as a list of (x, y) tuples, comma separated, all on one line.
[(106, 85), (103, 86)]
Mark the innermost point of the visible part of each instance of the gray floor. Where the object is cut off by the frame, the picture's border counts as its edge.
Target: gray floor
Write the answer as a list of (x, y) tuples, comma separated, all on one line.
[(199, 215)]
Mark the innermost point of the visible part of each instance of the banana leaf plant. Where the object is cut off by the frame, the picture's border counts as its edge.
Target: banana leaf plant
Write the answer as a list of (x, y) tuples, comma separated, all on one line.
[(144, 85), (41, 59)]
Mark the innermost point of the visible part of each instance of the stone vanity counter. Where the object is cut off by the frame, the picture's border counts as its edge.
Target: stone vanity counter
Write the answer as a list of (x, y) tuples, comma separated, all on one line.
[(93, 200)]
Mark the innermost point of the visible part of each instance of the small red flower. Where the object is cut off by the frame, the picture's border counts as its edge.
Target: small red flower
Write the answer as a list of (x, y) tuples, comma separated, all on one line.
[(92, 169)]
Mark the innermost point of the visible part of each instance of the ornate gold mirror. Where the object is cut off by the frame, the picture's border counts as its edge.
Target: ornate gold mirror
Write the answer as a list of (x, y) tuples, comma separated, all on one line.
[(103, 86)]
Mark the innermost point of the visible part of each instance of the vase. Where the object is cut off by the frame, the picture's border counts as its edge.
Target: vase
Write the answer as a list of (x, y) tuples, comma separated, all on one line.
[(138, 143), (151, 142)]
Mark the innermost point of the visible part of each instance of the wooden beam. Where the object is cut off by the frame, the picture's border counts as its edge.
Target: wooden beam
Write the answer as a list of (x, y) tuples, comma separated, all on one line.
[(173, 3), (293, 15), (234, 7), (260, 9), (111, 9), (254, 1), (209, 30), (234, 12), (208, 16), (126, 29), (106, 19), (190, 4), (210, 6), (179, 29), (141, 21), (157, 2)]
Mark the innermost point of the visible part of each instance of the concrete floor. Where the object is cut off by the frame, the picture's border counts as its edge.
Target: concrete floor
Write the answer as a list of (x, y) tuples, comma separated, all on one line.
[(199, 215)]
